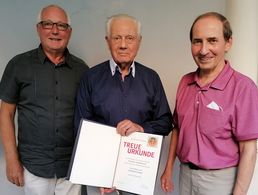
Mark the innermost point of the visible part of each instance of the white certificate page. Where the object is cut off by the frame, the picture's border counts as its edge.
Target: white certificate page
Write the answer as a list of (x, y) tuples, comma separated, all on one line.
[(138, 163), (96, 155)]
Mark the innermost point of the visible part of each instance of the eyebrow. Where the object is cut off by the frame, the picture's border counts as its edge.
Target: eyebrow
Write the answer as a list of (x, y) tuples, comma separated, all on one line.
[(208, 38)]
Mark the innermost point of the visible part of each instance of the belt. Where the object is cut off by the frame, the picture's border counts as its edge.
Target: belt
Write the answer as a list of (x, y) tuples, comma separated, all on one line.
[(193, 166)]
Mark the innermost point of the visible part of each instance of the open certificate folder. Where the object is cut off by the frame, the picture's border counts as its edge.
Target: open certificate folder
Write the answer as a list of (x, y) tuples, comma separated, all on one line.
[(103, 158)]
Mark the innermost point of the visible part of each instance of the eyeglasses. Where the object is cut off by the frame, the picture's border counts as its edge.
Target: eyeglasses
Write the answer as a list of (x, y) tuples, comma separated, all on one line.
[(128, 39), (49, 25)]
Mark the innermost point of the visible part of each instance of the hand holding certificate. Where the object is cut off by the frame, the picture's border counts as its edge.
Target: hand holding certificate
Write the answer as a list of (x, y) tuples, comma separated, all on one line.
[(104, 158)]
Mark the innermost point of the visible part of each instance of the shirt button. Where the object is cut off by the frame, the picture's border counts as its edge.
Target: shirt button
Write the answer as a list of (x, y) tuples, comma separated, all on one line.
[(197, 102), (56, 130), (56, 97)]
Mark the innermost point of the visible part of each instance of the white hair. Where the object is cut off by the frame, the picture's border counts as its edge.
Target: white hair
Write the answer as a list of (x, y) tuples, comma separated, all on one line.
[(39, 18), (118, 16)]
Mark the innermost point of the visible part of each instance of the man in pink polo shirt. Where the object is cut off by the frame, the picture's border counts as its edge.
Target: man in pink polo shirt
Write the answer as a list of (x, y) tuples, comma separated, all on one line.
[(216, 118)]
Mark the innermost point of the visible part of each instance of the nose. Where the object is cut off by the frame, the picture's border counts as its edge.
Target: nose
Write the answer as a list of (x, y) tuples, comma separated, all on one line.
[(204, 48), (123, 43), (55, 29)]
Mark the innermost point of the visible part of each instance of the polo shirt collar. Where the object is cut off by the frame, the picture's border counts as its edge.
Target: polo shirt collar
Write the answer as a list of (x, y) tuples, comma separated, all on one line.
[(222, 79), (113, 67), (43, 57)]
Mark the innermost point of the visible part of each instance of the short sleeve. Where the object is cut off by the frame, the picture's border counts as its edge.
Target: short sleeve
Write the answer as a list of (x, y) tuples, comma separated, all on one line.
[(245, 122), (9, 87)]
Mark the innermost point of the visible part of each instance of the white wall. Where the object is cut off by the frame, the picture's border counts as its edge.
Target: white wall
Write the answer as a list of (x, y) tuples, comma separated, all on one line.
[(165, 46)]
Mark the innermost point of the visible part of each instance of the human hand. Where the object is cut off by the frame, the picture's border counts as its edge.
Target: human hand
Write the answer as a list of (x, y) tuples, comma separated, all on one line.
[(167, 184), (126, 127), (14, 172), (106, 190)]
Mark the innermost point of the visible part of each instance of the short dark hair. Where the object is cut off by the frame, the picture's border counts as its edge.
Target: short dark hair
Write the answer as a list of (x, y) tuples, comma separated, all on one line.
[(227, 31)]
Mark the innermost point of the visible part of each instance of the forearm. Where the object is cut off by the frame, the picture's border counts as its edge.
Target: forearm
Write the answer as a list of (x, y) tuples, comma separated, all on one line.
[(172, 149), (9, 144), (246, 167), (7, 131), (162, 125), (14, 169), (166, 178)]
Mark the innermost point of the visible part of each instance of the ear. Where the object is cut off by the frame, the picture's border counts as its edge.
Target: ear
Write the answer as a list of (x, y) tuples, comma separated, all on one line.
[(69, 32), (140, 38), (37, 27), (229, 44), (108, 42)]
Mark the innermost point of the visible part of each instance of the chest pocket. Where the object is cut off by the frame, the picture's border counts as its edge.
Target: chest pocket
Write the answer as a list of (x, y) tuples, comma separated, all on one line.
[(214, 123)]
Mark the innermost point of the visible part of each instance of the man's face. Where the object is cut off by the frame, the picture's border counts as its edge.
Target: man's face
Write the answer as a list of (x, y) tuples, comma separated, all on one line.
[(123, 41), (55, 39), (208, 45)]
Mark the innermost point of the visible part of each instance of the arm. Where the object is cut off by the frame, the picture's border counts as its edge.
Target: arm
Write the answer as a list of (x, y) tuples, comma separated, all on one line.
[(83, 103), (246, 166), (161, 122), (14, 169), (166, 178)]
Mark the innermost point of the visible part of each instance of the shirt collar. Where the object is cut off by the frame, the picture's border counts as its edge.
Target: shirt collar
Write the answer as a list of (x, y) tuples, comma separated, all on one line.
[(43, 57), (113, 67), (222, 79)]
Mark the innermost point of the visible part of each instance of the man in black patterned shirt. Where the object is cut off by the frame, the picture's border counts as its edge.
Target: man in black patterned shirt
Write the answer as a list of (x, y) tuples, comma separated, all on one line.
[(41, 84)]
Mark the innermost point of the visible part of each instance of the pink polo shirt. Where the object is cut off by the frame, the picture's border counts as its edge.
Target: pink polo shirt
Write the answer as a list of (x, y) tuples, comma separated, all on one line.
[(212, 119)]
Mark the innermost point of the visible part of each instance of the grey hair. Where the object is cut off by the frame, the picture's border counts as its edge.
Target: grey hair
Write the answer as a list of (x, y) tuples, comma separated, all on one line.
[(118, 16), (39, 18)]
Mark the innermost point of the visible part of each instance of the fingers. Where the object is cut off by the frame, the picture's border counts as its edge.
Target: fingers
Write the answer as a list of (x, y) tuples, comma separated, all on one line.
[(166, 188), (126, 127), (21, 180), (109, 190), (106, 190), (167, 185), (14, 173), (18, 181), (123, 127), (101, 191)]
